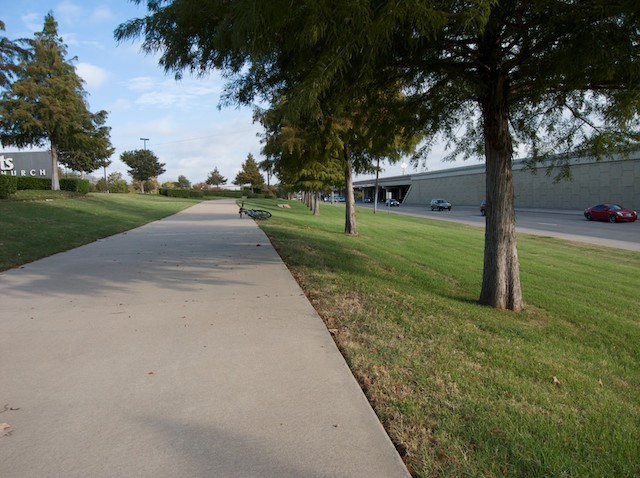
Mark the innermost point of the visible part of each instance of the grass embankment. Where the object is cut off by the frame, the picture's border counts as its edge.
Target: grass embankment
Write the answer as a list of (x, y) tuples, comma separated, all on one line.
[(466, 390), (37, 224), (463, 390)]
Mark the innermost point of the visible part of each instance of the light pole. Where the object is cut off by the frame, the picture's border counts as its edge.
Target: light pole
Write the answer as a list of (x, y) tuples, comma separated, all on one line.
[(403, 166), (144, 142)]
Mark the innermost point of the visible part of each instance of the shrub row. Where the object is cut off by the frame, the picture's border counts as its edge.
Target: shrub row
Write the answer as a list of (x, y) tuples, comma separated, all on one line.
[(196, 193), (8, 186), (23, 183), (237, 194), (28, 182), (75, 185), (181, 193)]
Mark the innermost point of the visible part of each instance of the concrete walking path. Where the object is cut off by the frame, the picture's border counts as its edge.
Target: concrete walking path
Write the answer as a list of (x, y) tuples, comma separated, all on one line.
[(183, 348)]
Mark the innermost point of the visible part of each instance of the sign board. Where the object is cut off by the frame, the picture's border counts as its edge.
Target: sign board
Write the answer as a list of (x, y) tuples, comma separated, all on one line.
[(31, 164)]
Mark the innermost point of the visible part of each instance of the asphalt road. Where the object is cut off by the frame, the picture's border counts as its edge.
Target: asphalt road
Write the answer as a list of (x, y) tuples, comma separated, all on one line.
[(564, 224)]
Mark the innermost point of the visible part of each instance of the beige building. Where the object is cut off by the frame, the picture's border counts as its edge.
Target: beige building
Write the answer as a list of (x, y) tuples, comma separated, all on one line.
[(607, 180)]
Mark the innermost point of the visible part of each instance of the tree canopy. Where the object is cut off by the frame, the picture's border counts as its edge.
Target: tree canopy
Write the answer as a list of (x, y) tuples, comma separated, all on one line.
[(45, 106), (556, 76), (10, 55), (215, 178), (143, 165), (183, 182), (249, 174), (89, 148)]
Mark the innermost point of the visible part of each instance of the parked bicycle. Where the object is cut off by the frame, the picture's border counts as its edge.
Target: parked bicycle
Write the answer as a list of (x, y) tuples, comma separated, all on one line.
[(257, 214)]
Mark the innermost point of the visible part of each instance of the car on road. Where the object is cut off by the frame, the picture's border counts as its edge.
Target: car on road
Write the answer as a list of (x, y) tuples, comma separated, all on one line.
[(392, 202), (483, 207), (610, 212), (440, 205)]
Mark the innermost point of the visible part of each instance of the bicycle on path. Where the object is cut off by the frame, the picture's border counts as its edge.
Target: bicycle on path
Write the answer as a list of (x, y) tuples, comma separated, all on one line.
[(257, 214)]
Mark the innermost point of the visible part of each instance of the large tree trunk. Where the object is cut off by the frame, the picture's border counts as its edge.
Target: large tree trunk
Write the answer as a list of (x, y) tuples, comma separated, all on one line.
[(55, 181), (350, 204), (501, 276)]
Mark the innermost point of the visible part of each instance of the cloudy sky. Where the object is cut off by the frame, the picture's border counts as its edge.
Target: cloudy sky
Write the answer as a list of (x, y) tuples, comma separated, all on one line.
[(181, 119)]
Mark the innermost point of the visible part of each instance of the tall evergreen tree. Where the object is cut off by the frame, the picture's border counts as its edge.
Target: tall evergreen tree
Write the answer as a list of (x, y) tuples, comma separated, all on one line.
[(249, 174), (46, 105)]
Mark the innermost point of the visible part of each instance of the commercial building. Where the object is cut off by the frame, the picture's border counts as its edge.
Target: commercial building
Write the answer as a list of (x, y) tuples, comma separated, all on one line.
[(614, 180)]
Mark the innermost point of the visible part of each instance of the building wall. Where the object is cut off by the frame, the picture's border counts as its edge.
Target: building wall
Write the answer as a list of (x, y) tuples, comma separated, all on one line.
[(615, 180)]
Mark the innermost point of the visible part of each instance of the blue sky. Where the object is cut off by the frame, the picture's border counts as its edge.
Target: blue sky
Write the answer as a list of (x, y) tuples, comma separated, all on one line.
[(181, 119)]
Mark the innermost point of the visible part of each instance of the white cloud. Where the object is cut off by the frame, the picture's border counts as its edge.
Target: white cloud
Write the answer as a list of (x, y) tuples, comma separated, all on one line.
[(33, 21), (67, 12), (101, 14), (169, 93), (120, 104), (140, 83), (93, 75)]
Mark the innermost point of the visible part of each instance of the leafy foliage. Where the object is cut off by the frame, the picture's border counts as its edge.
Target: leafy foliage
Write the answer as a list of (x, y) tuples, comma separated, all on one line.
[(551, 75), (10, 53), (8, 186), (183, 182), (143, 165), (249, 174), (89, 148), (215, 178), (45, 106)]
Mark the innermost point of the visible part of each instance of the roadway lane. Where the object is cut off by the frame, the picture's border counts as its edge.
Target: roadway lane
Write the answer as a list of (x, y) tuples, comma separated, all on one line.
[(565, 224)]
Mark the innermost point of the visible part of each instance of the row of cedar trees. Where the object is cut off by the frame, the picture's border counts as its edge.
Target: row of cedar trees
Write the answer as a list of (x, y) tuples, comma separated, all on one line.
[(350, 82), (43, 104)]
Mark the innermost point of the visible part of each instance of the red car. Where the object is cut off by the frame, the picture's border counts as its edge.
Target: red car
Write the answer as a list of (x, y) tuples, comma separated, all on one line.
[(610, 212)]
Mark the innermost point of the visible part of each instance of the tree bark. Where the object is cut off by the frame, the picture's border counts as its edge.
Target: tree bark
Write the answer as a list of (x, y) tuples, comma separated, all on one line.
[(55, 181), (375, 196), (316, 203), (350, 201), (501, 277)]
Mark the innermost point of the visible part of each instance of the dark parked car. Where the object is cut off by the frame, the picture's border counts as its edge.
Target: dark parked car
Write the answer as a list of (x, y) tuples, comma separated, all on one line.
[(392, 202), (440, 205), (610, 212), (483, 207)]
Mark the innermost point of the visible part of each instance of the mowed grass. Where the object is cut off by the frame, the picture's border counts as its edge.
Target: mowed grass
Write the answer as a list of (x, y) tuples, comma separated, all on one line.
[(466, 390), (45, 222), (463, 390)]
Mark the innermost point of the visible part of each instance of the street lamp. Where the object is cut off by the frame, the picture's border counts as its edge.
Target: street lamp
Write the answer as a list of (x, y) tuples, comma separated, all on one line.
[(144, 142), (403, 166)]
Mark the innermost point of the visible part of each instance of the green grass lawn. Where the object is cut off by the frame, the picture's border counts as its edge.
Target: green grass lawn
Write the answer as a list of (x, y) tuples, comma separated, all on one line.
[(462, 389), (42, 223), (466, 390)]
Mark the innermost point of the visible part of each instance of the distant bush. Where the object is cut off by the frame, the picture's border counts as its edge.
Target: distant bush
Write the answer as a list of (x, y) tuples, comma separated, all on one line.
[(237, 194), (225, 193), (28, 182), (8, 186), (75, 185), (181, 193)]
